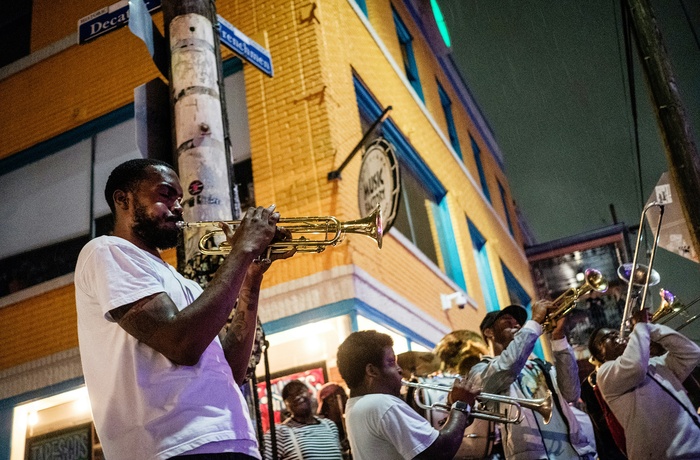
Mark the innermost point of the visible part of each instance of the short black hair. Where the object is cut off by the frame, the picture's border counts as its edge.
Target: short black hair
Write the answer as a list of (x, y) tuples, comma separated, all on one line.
[(128, 175), (593, 346), (359, 349), (289, 387)]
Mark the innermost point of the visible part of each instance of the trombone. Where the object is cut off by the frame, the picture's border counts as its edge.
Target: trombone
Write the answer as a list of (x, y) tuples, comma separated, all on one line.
[(309, 234), (632, 273), (565, 303), (542, 405)]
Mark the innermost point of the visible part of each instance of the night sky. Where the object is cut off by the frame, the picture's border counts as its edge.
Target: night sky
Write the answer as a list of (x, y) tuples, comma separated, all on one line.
[(550, 77)]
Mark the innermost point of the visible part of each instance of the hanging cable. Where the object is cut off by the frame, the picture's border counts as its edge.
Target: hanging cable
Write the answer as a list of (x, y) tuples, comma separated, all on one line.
[(690, 23)]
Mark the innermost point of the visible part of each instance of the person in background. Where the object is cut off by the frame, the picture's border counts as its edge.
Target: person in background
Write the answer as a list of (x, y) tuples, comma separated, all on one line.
[(511, 372), (162, 384), (332, 399), (303, 436), (458, 352), (380, 424), (645, 392)]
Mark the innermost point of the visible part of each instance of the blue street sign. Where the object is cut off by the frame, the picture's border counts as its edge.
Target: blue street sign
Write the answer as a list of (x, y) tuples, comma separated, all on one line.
[(108, 19), (246, 48)]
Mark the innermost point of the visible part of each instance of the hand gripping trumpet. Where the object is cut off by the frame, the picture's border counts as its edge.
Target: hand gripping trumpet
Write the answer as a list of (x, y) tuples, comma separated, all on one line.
[(565, 303), (542, 405), (309, 234)]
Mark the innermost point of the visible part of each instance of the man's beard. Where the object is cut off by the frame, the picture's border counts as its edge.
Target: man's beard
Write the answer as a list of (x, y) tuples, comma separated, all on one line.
[(150, 231)]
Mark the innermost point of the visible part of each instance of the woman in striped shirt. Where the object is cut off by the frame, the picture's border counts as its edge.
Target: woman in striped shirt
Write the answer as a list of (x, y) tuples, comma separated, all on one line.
[(303, 436)]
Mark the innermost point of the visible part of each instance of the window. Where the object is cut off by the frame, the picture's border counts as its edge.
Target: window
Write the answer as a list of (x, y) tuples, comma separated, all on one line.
[(480, 168), (15, 30), (412, 219), (502, 191), (239, 131), (409, 61), (483, 268), (449, 119)]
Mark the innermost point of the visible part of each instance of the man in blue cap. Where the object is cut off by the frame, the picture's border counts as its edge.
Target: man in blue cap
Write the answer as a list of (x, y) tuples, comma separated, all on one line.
[(511, 372)]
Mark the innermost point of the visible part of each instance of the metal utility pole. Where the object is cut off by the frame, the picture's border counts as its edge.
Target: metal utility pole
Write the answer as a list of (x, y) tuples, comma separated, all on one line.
[(676, 131), (200, 127)]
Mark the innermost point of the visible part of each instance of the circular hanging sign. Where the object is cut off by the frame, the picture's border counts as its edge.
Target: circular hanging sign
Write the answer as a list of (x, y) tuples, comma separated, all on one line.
[(379, 181)]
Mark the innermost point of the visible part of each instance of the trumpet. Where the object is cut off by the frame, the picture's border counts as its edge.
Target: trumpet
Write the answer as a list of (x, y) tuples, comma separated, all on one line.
[(565, 303), (309, 234), (543, 406)]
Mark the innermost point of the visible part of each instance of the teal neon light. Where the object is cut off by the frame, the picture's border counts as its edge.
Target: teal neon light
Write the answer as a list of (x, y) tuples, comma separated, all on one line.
[(440, 21)]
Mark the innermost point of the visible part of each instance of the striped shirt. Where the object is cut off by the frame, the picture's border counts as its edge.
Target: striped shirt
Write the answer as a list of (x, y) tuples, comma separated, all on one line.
[(318, 441)]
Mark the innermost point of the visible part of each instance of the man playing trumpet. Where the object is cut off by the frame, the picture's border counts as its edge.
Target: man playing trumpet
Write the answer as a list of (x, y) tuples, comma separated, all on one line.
[(645, 392), (380, 424), (512, 339), (161, 382)]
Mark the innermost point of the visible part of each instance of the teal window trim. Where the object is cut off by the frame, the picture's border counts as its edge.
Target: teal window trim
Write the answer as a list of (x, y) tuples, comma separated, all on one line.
[(353, 308), (502, 191), (483, 267), (449, 119), (407, 155), (480, 168), (7, 407), (448, 244), (363, 6), (409, 60)]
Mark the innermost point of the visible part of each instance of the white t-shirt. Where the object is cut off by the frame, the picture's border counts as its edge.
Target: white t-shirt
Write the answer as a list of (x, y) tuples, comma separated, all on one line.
[(384, 426), (144, 406)]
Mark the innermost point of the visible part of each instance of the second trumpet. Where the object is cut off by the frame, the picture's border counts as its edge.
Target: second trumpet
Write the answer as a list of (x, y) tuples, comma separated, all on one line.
[(565, 303), (309, 234)]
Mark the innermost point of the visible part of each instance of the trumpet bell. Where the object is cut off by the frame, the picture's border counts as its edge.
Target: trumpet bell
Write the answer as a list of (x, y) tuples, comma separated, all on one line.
[(595, 280), (638, 276)]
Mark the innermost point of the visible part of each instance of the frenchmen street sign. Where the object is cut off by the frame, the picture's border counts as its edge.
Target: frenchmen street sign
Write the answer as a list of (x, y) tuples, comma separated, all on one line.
[(245, 47)]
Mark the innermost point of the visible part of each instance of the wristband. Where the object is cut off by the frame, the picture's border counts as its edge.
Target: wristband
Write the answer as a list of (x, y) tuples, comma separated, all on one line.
[(461, 406)]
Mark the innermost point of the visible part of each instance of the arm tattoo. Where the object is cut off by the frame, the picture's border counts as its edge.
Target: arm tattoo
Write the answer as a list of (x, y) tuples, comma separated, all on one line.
[(140, 319), (238, 326)]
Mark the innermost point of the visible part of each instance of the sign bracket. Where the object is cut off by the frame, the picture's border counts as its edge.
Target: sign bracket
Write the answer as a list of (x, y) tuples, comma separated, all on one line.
[(333, 175)]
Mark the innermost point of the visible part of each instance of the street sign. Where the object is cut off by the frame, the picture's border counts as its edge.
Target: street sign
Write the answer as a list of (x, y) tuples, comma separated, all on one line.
[(245, 47), (108, 19)]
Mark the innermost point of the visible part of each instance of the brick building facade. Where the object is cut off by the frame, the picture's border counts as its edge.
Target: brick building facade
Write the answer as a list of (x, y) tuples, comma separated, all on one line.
[(67, 119)]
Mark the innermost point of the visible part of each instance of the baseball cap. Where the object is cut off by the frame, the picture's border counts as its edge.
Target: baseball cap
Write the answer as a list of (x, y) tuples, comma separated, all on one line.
[(329, 389), (516, 311)]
